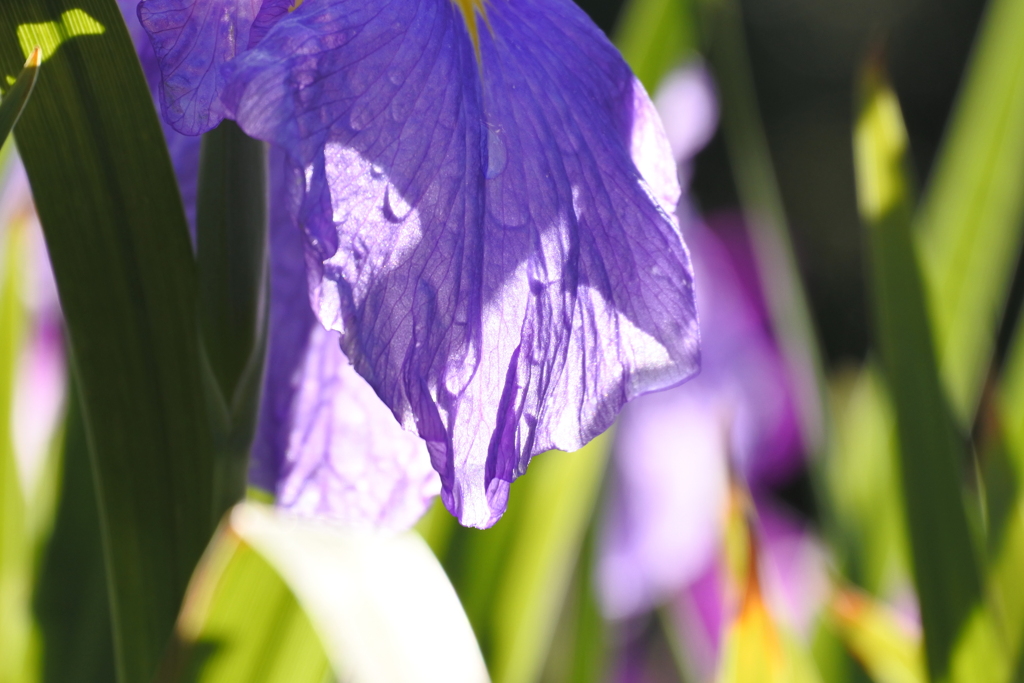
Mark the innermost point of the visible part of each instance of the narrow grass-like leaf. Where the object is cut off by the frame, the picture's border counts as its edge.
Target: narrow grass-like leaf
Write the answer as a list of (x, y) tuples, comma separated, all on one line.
[(231, 245), (889, 649), (1006, 542), (557, 500), (16, 96), (15, 549), (514, 578), (381, 603), (654, 36), (931, 452), (118, 242), (1011, 401), (580, 646), (766, 217), (242, 624), (862, 474), (970, 222)]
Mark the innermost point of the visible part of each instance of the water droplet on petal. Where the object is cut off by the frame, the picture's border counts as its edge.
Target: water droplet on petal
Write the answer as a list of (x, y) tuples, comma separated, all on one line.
[(395, 208), (497, 157), (360, 116)]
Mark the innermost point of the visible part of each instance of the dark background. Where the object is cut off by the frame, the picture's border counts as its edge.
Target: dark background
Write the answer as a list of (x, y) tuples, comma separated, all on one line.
[(805, 55)]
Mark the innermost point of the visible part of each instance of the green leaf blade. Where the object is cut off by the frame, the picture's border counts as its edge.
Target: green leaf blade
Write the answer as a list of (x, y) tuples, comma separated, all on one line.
[(233, 298), (654, 36), (70, 601), (944, 563), (969, 227), (16, 97), (558, 501), (15, 544), (117, 238)]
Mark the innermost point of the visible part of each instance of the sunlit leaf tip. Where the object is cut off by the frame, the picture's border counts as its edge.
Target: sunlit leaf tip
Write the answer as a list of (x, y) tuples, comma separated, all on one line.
[(880, 143), (35, 58), (17, 95)]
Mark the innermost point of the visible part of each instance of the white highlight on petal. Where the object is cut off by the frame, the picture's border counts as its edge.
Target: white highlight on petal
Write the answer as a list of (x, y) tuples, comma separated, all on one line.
[(651, 151)]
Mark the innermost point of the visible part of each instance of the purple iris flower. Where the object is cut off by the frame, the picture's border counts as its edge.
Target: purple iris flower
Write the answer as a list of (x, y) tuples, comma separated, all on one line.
[(486, 201)]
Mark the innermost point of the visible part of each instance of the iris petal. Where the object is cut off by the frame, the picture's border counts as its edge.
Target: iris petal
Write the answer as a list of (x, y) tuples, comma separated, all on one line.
[(326, 445), (192, 39), (492, 238)]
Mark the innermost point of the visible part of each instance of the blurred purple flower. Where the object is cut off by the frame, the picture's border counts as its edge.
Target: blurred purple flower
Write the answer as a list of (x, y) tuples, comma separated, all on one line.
[(486, 198), (674, 449), (40, 380), (792, 576)]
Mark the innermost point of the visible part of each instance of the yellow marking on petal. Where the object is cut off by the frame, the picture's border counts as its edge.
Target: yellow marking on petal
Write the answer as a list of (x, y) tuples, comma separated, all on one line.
[(469, 9), (295, 5), (50, 35)]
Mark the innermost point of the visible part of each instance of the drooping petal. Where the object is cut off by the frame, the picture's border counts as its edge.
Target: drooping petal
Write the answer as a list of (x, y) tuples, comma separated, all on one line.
[(493, 238), (192, 40), (673, 448), (326, 444)]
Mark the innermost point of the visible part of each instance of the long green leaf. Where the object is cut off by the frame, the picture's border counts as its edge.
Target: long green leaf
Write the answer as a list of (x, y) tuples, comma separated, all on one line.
[(15, 549), (654, 36), (16, 96), (1007, 539), (231, 245), (970, 222), (117, 239), (931, 453), (862, 473), (514, 578), (70, 596), (580, 646), (557, 500)]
